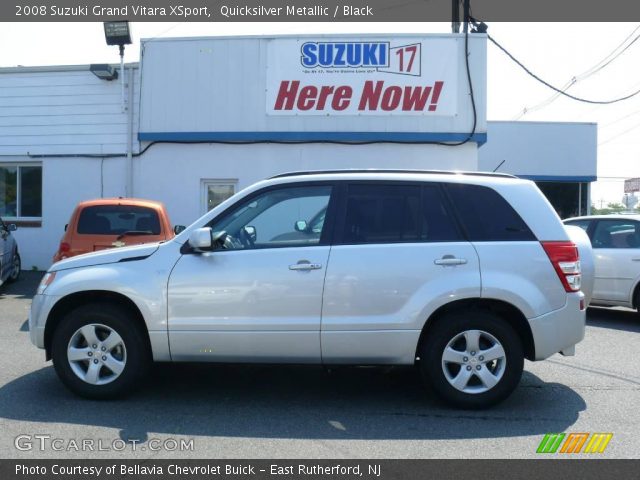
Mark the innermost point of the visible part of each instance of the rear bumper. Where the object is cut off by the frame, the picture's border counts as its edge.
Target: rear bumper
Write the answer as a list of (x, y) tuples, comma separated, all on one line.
[(560, 330)]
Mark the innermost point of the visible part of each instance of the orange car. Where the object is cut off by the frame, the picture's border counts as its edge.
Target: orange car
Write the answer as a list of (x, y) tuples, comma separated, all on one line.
[(114, 222)]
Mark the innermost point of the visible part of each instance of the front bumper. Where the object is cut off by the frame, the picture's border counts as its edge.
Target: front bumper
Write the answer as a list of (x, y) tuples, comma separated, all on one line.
[(41, 306), (560, 330)]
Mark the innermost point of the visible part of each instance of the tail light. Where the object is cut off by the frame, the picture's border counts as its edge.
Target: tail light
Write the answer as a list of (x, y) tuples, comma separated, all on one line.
[(566, 262), (64, 247)]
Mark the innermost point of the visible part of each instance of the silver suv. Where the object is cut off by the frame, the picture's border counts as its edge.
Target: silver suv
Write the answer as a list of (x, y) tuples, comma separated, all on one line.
[(463, 275)]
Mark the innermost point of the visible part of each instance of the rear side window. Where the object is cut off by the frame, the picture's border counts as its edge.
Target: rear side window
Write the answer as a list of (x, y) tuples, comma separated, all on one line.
[(118, 219), (486, 215), (616, 234), (583, 224), (396, 213)]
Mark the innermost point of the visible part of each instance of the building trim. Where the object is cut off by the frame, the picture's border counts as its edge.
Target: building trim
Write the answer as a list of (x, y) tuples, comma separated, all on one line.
[(301, 137)]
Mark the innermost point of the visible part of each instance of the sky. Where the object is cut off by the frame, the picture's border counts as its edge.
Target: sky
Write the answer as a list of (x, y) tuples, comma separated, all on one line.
[(557, 52)]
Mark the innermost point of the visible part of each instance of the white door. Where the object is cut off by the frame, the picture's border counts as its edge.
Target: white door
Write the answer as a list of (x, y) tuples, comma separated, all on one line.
[(616, 247), (259, 297)]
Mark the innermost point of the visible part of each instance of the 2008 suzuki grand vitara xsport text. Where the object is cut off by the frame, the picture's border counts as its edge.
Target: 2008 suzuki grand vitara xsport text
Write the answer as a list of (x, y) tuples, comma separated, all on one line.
[(464, 275)]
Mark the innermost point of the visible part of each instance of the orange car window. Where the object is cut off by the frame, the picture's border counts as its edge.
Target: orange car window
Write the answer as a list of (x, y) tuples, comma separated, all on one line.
[(118, 219)]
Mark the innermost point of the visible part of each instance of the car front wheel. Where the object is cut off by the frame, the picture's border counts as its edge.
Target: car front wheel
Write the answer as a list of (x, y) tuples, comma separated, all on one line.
[(98, 352), (472, 359), (16, 267)]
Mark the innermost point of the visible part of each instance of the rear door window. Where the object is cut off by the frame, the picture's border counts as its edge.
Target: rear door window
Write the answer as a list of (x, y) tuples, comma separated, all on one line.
[(118, 219), (396, 213), (486, 215)]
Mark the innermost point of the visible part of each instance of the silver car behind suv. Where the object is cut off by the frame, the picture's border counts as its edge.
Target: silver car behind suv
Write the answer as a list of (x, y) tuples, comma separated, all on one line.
[(464, 275), (9, 256)]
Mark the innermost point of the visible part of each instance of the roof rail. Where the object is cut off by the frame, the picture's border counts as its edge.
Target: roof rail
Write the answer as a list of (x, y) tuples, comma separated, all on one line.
[(384, 170)]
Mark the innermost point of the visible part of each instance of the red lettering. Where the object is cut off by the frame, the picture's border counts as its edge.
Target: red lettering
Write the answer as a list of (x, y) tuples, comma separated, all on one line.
[(287, 95), (342, 98), (370, 95), (307, 97), (324, 93), (391, 98), (415, 98)]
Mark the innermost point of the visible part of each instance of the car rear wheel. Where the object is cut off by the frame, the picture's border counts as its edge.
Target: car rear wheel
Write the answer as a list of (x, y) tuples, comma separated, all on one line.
[(472, 359), (16, 267), (98, 351)]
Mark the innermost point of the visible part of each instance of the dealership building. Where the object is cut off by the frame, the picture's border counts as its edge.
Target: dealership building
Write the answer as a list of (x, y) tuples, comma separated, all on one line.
[(199, 119)]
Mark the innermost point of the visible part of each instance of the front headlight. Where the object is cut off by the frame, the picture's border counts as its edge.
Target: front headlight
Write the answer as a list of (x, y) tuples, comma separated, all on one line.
[(47, 280)]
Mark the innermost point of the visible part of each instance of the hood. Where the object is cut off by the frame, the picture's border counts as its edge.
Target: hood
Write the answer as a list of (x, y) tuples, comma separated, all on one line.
[(113, 255)]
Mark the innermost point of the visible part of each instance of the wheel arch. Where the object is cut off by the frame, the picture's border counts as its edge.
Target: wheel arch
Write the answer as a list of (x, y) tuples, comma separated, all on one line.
[(635, 296), (504, 310), (78, 299)]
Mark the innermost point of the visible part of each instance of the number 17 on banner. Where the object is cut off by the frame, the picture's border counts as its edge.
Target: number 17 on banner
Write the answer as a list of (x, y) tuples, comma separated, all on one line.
[(404, 60)]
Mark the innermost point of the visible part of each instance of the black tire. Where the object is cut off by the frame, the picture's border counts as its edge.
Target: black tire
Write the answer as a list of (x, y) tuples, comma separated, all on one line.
[(449, 327), (138, 356), (15, 276)]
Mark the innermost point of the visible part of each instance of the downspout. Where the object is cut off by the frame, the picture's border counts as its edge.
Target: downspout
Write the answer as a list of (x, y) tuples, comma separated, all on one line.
[(129, 167)]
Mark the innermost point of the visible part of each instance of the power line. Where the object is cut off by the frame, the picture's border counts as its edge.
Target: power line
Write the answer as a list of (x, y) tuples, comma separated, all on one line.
[(609, 58), (624, 132), (556, 89)]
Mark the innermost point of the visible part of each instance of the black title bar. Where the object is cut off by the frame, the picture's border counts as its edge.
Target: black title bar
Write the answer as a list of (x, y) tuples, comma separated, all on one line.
[(370, 469), (316, 11)]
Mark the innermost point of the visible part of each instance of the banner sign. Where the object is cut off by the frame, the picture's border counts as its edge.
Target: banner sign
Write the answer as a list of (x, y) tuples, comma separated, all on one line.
[(632, 185), (403, 76)]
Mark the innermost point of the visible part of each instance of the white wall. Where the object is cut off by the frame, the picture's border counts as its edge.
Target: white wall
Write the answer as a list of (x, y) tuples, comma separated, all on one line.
[(62, 110), (541, 150)]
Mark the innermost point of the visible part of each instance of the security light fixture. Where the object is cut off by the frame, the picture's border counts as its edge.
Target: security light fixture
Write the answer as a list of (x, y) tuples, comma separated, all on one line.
[(103, 71), (117, 33)]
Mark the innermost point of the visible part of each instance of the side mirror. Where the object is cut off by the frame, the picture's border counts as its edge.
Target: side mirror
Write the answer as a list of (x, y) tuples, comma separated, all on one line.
[(300, 226), (66, 227), (201, 239), (178, 229), (12, 227), (251, 232)]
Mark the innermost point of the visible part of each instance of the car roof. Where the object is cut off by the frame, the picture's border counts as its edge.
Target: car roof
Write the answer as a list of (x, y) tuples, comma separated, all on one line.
[(611, 216), (133, 202), (388, 172)]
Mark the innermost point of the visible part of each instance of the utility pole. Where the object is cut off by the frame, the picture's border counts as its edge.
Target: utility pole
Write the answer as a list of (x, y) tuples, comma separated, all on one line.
[(455, 16)]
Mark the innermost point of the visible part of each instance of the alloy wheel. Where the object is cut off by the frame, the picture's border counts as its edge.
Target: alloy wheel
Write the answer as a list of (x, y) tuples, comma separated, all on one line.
[(474, 361), (97, 354)]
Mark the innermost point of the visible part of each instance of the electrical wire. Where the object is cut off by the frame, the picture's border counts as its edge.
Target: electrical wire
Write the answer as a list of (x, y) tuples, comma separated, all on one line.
[(559, 91), (608, 59)]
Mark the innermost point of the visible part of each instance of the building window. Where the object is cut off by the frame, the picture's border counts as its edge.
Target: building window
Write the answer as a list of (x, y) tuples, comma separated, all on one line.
[(20, 191), (217, 191)]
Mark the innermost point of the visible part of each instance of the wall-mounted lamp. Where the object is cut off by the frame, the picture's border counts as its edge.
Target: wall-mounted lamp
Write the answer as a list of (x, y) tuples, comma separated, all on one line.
[(103, 71)]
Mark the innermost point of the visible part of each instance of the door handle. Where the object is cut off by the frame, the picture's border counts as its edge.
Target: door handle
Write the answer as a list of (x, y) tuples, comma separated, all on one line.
[(305, 266), (450, 260), (635, 259)]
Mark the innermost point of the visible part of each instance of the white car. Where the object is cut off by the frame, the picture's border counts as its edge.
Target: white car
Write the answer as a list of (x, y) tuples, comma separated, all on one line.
[(464, 275), (616, 247)]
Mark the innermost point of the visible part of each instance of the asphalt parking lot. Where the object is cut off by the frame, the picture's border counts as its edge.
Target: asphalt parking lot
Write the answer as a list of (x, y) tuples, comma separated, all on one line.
[(301, 412)]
